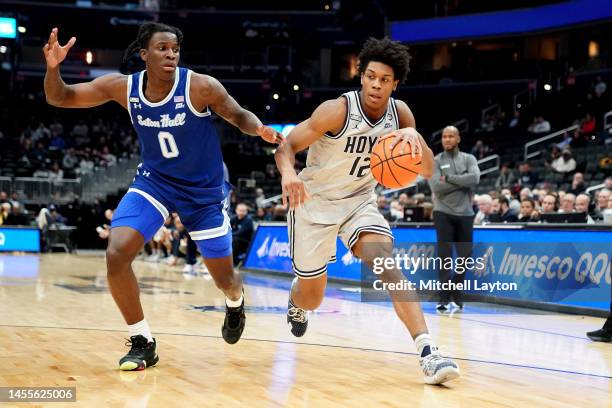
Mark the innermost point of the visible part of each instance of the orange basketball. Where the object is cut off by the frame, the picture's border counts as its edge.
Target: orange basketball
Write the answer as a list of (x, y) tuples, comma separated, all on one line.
[(391, 168)]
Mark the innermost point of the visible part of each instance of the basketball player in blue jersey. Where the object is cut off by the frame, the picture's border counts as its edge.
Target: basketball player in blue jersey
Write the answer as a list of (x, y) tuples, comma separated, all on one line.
[(181, 169), (334, 195)]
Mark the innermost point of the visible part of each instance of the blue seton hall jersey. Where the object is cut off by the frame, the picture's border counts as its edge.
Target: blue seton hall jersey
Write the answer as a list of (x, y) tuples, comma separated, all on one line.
[(180, 148)]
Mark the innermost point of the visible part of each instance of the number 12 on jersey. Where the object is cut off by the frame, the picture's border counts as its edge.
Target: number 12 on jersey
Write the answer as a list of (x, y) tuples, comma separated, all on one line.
[(357, 170), (167, 145)]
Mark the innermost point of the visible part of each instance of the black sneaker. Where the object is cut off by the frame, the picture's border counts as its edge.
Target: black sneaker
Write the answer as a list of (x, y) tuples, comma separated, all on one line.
[(141, 355), (442, 307), (297, 317), (600, 335), (233, 325)]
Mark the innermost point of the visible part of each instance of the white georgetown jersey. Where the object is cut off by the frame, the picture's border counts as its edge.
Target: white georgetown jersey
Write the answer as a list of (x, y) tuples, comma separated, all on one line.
[(337, 174)]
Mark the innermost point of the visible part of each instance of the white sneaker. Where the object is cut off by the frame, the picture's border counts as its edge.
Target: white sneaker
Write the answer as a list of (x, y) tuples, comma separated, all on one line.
[(437, 368), (188, 268), (171, 260), (152, 258)]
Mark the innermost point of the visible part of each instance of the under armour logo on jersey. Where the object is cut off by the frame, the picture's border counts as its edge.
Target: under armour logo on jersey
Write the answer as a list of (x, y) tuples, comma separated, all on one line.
[(146, 173), (137, 106), (387, 125), (179, 106)]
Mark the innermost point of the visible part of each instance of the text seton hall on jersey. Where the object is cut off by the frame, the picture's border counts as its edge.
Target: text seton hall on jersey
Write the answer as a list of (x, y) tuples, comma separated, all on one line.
[(164, 122)]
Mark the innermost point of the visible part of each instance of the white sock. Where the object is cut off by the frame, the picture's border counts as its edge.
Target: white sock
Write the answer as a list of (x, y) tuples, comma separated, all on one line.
[(234, 303), (142, 328), (424, 344)]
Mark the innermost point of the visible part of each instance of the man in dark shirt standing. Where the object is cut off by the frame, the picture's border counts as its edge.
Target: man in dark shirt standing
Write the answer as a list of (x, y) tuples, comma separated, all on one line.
[(242, 231), (455, 175)]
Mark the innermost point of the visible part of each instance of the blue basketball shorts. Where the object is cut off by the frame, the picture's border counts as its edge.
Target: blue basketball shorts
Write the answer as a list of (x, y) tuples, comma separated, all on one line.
[(148, 203)]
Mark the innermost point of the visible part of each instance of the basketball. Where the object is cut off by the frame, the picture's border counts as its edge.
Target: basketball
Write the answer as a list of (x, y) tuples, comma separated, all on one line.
[(391, 168)]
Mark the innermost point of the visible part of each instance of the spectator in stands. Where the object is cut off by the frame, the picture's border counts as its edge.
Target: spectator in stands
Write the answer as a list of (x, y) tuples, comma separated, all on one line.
[(396, 211), (80, 129), (16, 217), (565, 163), (505, 212), (485, 208), (582, 206), (549, 203), (608, 183), (108, 159), (567, 203), (383, 207), (527, 178), (70, 160), (506, 177), (525, 194), (86, 165), (587, 125), (480, 150), (601, 204), (404, 200), (528, 211), (419, 198), (539, 125), (600, 87), (56, 128), (55, 173), (41, 133), (39, 154), (242, 232), (3, 197), (259, 198), (57, 143), (578, 185), (515, 205), (515, 121), (5, 210), (427, 211), (261, 215), (14, 201), (565, 143)]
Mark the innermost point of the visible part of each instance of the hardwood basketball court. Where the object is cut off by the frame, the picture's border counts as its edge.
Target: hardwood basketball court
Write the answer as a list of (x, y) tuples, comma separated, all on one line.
[(59, 326)]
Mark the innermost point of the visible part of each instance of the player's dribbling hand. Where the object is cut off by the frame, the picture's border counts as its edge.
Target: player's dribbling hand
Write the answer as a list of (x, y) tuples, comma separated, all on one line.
[(294, 191), (54, 52), (270, 135), (407, 136)]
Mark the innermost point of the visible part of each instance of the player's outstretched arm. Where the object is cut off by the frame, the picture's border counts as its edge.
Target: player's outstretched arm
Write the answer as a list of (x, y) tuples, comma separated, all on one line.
[(407, 122), (328, 117), (213, 94), (85, 95)]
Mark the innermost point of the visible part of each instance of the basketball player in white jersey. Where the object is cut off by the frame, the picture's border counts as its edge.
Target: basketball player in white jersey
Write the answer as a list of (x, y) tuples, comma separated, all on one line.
[(334, 194)]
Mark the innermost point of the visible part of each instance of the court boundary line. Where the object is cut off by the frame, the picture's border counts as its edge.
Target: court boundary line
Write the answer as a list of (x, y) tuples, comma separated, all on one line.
[(322, 345)]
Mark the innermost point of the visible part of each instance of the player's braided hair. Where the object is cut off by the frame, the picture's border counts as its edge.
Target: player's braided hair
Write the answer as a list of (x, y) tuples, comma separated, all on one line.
[(145, 32), (392, 53)]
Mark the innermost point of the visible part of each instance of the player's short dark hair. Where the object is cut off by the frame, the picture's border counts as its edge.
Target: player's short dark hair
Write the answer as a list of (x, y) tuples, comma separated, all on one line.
[(389, 52), (145, 32)]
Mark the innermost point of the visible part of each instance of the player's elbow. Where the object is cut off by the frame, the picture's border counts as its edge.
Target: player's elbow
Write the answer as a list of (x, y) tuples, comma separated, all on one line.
[(53, 101)]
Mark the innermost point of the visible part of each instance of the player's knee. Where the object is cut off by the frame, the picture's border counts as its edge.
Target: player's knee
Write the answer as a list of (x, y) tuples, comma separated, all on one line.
[(226, 282), (117, 259)]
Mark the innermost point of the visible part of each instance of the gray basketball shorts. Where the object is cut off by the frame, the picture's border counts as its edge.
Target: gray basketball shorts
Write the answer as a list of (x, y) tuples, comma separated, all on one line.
[(313, 245)]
